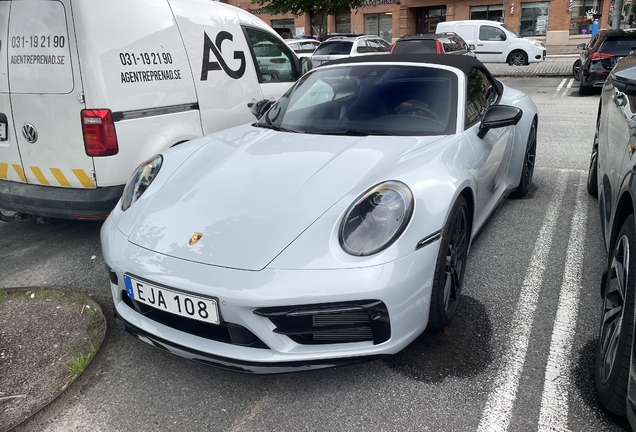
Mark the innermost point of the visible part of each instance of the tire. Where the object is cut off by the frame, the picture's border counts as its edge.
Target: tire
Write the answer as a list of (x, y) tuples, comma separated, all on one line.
[(584, 90), (611, 371), (518, 58), (576, 70), (528, 163), (450, 265), (592, 172)]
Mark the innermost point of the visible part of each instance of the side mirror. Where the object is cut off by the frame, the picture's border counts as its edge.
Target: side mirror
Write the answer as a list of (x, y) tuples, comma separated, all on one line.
[(471, 47), (623, 85), (260, 108), (581, 46), (498, 116), (502, 36)]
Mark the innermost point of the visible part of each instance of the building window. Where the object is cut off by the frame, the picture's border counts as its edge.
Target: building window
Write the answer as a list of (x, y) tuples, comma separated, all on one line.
[(316, 24), (428, 18), (343, 22), (534, 19), (490, 12), (284, 27), (579, 24), (380, 25)]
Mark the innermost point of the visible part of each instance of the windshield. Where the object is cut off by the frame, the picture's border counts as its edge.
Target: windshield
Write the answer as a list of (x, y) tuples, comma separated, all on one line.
[(367, 99), (511, 31), (334, 48)]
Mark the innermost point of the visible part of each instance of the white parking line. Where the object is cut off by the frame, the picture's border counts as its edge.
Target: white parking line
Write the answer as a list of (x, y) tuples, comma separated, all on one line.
[(560, 87), (498, 410), (568, 87), (554, 402)]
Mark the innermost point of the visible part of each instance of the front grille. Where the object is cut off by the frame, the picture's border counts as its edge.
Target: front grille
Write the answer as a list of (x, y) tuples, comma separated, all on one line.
[(225, 332), (363, 321)]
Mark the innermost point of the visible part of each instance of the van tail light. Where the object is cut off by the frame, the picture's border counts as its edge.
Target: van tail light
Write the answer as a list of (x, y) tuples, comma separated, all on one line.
[(601, 55), (98, 128), (438, 45)]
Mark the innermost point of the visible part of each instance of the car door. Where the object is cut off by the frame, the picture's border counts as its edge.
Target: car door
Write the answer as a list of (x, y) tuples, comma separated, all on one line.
[(493, 151), (491, 44)]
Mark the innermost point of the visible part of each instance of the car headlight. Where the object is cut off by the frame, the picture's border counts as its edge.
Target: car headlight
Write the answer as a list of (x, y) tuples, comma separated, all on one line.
[(376, 219), (537, 43), (141, 179)]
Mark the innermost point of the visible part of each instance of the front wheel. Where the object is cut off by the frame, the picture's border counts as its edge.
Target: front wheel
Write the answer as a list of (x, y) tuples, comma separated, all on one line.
[(576, 70), (527, 171), (518, 58), (616, 333), (450, 266)]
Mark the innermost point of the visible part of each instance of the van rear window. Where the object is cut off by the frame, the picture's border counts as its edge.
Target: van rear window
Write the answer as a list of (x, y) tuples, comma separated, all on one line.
[(38, 48)]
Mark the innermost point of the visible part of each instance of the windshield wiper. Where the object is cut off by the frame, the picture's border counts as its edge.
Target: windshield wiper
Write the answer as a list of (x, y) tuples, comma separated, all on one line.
[(351, 132), (276, 128)]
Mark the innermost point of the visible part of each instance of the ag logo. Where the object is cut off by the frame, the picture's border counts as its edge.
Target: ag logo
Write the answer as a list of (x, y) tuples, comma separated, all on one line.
[(220, 64)]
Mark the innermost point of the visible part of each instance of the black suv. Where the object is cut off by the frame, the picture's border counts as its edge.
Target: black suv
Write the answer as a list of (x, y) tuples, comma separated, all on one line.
[(600, 55), (441, 43)]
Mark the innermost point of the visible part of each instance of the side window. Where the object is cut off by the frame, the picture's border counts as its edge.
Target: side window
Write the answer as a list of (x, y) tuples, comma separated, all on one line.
[(374, 46), (480, 94), (461, 44), (273, 59), (363, 47), (385, 45), (489, 33), (448, 45)]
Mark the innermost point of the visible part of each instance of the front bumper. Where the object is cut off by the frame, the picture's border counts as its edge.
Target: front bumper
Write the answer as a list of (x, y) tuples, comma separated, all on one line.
[(59, 202), (248, 299)]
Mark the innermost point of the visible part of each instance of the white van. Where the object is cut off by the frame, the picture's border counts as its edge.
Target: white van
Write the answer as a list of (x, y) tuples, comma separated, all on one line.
[(496, 42), (89, 89)]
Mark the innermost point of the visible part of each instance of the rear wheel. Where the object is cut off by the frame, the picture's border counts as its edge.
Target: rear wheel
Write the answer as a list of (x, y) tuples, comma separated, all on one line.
[(518, 58), (616, 333), (451, 263), (528, 163)]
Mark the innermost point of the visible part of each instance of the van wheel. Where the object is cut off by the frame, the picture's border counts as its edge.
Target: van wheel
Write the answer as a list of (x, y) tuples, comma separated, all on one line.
[(518, 58)]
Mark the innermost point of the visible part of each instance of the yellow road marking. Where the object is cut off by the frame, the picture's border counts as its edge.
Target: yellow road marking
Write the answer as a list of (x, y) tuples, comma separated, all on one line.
[(57, 173), (83, 178), (3, 170), (38, 175), (18, 170)]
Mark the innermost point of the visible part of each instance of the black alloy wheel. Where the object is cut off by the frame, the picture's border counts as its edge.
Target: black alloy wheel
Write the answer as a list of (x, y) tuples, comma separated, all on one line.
[(576, 70), (616, 332), (451, 263), (527, 171), (518, 58), (592, 172)]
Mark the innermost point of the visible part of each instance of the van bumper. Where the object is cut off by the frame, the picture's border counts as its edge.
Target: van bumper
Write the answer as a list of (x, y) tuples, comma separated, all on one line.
[(58, 202)]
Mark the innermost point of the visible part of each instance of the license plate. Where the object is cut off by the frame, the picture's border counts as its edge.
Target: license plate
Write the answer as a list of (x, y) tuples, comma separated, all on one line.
[(176, 302), (3, 131)]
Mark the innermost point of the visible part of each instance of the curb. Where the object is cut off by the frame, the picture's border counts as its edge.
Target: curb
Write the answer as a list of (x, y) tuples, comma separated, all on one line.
[(70, 384)]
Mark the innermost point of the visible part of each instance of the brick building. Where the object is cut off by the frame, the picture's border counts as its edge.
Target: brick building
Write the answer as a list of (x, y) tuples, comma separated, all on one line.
[(556, 22)]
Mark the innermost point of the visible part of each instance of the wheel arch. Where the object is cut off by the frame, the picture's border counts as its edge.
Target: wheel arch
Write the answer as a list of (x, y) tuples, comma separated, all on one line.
[(518, 50), (469, 197), (624, 208)]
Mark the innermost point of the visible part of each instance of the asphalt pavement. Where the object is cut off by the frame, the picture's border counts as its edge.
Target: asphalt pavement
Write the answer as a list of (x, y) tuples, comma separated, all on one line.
[(558, 63)]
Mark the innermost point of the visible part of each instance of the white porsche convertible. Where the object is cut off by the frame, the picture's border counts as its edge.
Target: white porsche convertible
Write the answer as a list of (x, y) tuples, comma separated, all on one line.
[(332, 230)]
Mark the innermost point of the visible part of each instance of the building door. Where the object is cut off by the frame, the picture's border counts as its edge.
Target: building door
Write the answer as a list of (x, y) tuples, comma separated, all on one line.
[(427, 18)]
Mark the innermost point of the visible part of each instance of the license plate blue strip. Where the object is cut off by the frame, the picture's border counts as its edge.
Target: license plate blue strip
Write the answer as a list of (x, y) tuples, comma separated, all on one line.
[(129, 288)]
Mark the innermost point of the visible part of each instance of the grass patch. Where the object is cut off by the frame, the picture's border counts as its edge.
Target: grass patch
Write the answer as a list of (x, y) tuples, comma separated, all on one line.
[(94, 320), (79, 299), (78, 364), (3, 295)]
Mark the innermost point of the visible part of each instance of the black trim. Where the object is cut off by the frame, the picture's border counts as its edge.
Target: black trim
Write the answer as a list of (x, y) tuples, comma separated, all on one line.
[(237, 365), (153, 112), (428, 240), (488, 52), (59, 202)]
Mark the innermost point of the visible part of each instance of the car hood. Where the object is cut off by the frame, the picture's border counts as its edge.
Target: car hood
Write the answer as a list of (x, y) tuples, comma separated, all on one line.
[(251, 197)]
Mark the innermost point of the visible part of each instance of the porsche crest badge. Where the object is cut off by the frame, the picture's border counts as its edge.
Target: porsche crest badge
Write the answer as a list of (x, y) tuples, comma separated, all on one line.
[(194, 238)]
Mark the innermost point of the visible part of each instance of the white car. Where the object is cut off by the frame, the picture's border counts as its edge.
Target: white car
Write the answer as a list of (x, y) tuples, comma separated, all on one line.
[(303, 47), (332, 230), (339, 47)]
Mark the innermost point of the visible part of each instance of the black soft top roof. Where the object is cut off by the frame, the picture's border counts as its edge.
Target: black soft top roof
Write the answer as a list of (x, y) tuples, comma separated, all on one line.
[(461, 62)]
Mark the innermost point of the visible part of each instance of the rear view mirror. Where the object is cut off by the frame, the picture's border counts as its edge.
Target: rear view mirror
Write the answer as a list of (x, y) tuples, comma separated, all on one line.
[(471, 47), (261, 107), (581, 46), (502, 36), (498, 116), (623, 85)]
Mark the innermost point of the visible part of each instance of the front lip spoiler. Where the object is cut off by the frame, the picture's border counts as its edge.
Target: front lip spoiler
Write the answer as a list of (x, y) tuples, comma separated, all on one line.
[(238, 365)]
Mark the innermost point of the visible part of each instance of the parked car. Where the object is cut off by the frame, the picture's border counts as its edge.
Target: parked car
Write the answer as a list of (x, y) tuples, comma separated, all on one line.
[(496, 42), (303, 47), (300, 241), (441, 43), (338, 47), (600, 55), (612, 179)]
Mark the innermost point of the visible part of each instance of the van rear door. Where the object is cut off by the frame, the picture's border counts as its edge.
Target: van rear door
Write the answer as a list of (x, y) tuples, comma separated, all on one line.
[(10, 162), (46, 96)]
